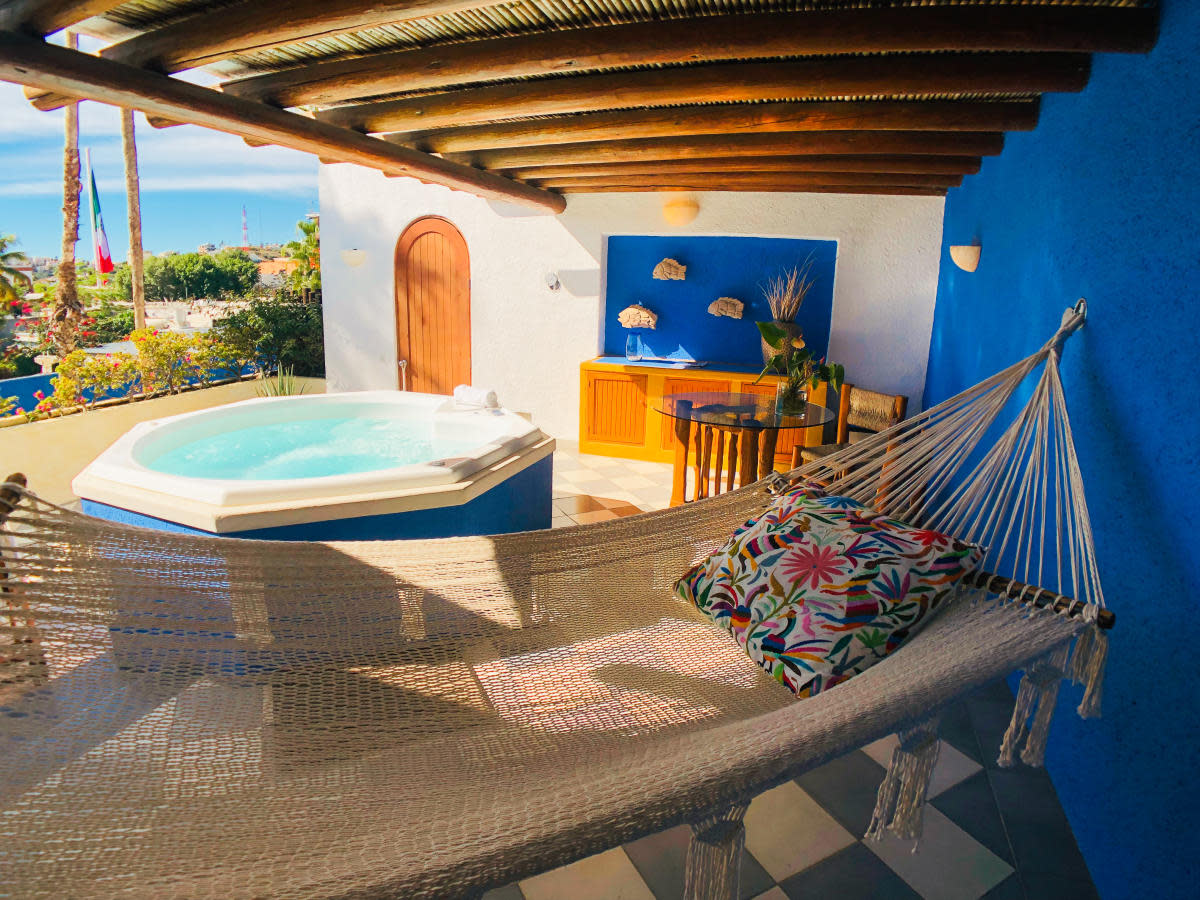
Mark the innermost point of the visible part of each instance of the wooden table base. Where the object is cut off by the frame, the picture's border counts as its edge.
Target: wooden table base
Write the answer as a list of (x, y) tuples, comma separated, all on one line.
[(748, 452)]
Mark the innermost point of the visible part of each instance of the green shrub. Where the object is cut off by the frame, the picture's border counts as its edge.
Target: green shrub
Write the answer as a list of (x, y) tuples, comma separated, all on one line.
[(272, 333)]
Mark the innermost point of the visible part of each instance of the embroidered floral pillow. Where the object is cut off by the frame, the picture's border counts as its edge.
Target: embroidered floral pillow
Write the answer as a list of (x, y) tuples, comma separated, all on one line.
[(820, 588)]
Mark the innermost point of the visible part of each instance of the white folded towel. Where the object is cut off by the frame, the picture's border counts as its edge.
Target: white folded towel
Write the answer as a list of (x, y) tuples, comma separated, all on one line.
[(465, 395)]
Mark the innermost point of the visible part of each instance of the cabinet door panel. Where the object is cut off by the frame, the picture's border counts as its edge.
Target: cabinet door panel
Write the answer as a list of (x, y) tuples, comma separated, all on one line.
[(684, 386), (616, 408)]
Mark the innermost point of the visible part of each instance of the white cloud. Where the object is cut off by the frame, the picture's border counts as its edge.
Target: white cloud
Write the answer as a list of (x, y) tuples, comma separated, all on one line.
[(184, 158), (279, 183)]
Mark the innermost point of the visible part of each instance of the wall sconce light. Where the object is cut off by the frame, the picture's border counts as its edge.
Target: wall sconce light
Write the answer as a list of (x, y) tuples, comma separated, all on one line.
[(966, 256), (552, 281), (680, 211), (354, 257)]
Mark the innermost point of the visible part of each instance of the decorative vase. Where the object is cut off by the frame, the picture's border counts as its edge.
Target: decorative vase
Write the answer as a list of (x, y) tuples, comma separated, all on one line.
[(793, 331), (791, 398), (633, 348)]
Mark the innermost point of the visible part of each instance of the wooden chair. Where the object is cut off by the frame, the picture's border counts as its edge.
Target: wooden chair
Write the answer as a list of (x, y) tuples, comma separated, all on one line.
[(860, 412)]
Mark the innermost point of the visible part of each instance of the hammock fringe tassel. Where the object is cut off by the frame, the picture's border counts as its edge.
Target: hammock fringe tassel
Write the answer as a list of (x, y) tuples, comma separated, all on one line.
[(714, 858), (1036, 697), (1087, 669), (900, 803)]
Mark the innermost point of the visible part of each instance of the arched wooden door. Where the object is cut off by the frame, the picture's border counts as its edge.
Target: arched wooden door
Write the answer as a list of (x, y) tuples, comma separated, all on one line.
[(433, 306)]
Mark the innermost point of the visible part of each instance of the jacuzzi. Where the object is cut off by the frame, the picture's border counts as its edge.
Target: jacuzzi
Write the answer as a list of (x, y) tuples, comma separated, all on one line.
[(354, 466)]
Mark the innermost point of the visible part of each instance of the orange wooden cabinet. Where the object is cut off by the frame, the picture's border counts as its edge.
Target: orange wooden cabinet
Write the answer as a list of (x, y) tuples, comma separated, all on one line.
[(619, 403)]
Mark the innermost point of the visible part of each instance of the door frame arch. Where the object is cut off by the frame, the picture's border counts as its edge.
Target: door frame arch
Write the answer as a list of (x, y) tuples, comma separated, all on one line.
[(408, 234)]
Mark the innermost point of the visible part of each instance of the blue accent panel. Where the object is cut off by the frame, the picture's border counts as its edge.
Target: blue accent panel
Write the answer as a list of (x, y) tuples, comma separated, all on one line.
[(520, 503), (1101, 201), (737, 267)]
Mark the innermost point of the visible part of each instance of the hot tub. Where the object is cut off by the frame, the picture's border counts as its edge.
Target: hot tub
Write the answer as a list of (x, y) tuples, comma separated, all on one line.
[(365, 465)]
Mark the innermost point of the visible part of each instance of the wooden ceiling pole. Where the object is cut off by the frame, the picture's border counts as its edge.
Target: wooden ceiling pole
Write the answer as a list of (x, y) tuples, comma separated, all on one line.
[(916, 165), (755, 118), (41, 17), (250, 25), (1003, 73), (29, 61), (856, 143), (670, 186), (696, 40), (746, 181)]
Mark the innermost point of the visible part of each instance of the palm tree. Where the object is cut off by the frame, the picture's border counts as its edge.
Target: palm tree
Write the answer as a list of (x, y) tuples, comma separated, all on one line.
[(133, 196), (67, 308), (11, 278), (306, 277)]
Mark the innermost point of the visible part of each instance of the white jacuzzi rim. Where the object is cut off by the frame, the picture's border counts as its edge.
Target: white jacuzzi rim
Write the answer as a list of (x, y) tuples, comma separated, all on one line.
[(118, 478)]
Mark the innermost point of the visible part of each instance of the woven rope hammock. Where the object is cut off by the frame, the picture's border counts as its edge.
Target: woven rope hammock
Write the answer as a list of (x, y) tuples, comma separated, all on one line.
[(205, 717)]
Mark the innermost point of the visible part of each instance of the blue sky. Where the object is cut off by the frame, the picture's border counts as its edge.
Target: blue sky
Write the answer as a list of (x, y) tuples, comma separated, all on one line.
[(194, 182)]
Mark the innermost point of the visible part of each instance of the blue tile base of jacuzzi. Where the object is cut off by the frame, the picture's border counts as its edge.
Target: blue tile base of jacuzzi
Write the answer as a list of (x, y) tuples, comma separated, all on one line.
[(520, 503)]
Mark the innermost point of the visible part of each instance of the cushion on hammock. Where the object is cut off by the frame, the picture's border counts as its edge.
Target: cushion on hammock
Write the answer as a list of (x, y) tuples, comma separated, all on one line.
[(820, 588)]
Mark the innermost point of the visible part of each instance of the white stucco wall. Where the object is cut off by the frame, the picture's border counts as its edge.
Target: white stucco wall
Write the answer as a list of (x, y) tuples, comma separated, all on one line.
[(527, 341)]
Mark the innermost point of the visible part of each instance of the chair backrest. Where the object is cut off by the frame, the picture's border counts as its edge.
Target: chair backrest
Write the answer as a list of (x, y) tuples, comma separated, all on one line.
[(862, 410)]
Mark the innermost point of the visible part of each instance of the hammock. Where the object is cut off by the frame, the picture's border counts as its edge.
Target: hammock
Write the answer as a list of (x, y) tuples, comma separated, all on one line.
[(191, 716)]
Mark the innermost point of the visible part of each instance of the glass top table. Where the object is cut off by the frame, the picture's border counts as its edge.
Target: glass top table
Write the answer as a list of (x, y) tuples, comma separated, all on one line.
[(742, 410), (730, 434)]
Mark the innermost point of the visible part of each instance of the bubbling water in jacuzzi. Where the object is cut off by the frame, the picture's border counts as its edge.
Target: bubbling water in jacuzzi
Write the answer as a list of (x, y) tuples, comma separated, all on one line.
[(308, 448)]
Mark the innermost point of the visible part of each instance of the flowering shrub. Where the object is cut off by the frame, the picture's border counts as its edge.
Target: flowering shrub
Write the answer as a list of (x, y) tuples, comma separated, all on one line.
[(166, 361), (6, 405), (81, 374), (163, 359)]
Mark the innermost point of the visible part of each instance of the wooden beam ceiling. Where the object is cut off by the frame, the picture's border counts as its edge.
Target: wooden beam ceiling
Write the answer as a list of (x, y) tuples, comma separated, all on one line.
[(749, 181), (779, 187), (917, 165), (28, 61), (215, 34), (755, 118), (993, 73), (857, 143), (737, 101), (41, 17), (698, 40)]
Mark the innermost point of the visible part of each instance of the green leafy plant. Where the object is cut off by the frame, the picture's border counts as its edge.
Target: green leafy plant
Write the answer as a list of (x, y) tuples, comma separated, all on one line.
[(13, 281), (271, 333), (282, 384), (795, 361)]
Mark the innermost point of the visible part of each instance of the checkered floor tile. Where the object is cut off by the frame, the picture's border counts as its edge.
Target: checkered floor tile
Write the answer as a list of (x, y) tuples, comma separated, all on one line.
[(989, 832)]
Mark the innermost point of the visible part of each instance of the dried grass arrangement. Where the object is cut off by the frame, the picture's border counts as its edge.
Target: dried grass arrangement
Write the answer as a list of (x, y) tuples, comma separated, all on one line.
[(785, 293)]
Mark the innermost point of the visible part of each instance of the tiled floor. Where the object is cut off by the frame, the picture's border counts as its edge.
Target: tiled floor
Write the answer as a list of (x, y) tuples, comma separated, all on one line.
[(989, 832)]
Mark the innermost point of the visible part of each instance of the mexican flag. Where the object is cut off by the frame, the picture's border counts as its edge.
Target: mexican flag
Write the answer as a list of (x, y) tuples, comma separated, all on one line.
[(104, 263)]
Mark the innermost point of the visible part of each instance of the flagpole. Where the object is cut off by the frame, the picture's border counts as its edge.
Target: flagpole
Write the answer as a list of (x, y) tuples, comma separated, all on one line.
[(92, 206)]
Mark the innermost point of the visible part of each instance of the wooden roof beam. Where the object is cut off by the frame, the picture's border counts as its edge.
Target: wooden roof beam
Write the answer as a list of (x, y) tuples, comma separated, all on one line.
[(753, 118), (765, 180), (722, 185), (855, 143), (251, 25), (695, 40), (825, 78), (917, 165), (29, 61), (40, 17)]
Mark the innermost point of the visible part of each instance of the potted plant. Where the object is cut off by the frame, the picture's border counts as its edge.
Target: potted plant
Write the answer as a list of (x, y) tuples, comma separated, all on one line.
[(792, 359), (785, 294)]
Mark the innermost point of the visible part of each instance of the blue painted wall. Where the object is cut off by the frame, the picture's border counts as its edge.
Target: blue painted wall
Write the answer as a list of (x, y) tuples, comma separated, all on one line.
[(737, 267), (23, 389), (520, 503), (1102, 201)]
